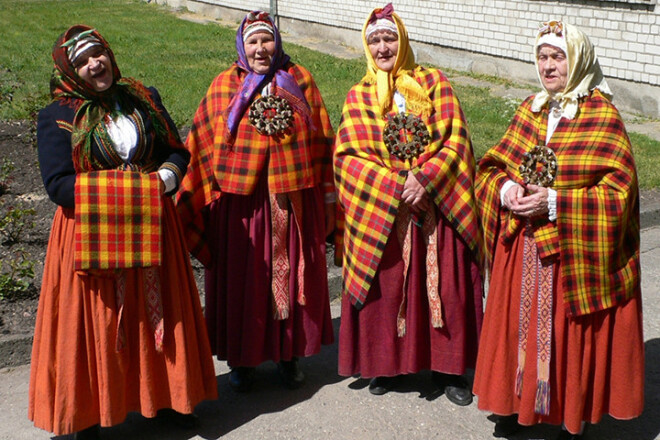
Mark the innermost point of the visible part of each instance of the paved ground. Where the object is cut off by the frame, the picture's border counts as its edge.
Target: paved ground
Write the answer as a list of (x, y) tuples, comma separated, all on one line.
[(337, 408)]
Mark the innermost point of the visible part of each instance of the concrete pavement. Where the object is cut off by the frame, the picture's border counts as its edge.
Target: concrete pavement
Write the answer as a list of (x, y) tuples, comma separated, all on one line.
[(337, 408)]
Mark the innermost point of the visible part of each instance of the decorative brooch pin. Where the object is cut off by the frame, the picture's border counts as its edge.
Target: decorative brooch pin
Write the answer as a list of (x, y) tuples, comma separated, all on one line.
[(271, 115), (539, 166), (405, 135)]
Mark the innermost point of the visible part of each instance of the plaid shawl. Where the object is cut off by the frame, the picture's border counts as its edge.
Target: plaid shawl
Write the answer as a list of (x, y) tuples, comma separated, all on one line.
[(299, 160), (370, 180), (118, 220), (596, 235)]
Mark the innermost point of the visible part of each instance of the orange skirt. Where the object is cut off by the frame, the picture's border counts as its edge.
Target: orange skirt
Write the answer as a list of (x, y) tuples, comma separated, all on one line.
[(597, 363), (78, 378)]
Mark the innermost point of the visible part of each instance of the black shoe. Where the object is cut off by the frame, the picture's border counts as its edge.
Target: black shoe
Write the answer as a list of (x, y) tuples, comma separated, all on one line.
[(291, 374), (382, 384), (185, 421), (565, 435), (241, 378), (506, 426), (91, 433), (456, 388)]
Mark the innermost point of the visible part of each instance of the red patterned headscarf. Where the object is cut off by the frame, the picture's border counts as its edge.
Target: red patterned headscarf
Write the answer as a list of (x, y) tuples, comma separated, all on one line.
[(93, 107)]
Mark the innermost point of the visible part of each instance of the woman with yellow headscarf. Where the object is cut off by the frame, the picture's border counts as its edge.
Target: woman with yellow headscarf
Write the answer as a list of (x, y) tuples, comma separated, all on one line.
[(404, 169), (558, 198)]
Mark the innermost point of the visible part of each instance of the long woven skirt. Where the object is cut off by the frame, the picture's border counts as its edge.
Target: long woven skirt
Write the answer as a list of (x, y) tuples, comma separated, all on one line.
[(78, 377), (597, 360), (368, 340), (239, 308)]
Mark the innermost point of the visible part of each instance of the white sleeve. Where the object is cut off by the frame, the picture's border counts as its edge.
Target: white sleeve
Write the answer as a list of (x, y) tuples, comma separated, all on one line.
[(169, 179), (552, 204)]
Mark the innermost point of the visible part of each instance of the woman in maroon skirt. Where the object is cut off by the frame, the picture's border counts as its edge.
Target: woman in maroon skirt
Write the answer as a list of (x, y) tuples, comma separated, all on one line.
[(257, 203), (562, 339), (412, 284)]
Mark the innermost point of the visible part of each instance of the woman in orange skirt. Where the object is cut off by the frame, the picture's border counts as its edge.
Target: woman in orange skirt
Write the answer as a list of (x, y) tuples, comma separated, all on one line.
[(119, 325), (558, 197)]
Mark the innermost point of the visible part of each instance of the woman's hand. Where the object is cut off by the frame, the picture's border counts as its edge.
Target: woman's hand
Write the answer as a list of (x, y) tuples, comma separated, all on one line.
[(415, 195), (534, 204)]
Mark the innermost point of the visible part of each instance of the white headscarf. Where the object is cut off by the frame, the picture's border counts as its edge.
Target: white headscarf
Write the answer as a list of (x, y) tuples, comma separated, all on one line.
[(584, 73)]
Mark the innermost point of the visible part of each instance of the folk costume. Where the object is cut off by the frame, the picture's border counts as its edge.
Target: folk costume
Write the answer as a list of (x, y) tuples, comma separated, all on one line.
[(562, 339), (119, 326), (253, 205), (412, 283)]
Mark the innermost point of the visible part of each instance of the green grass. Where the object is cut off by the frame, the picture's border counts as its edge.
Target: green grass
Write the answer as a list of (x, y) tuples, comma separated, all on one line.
[(181, 58)]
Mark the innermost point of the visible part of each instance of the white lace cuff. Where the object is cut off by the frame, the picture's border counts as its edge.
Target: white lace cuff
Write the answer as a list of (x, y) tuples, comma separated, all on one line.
[(552, 204), (169, 179)]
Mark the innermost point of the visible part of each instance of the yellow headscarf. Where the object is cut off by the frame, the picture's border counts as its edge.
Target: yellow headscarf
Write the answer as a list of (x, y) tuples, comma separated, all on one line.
[(400, 78), (584, 73)]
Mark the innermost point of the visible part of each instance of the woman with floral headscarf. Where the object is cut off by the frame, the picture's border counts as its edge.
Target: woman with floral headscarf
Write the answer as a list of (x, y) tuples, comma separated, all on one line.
[(119, 326), (404, 169), (562, 340), (257, 204)]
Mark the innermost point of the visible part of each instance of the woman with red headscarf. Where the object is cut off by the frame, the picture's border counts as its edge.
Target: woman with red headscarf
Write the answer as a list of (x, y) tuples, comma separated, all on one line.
[(404, 169), (119, 326), (257, 204)]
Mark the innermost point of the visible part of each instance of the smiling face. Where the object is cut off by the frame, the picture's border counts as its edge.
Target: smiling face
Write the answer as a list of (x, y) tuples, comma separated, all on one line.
[(94, 66), (259, 50), (553, 68), (384, 46)]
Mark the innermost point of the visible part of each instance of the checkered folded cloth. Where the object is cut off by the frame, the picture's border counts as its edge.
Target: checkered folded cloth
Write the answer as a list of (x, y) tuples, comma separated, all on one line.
[(118, 220)]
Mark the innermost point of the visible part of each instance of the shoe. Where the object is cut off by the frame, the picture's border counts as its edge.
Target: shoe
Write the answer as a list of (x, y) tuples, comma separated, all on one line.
[(456, 388), (185, 421), (91, 433), (291, 374), (506, 426), (565, 435), (241, 378), (382, 384)]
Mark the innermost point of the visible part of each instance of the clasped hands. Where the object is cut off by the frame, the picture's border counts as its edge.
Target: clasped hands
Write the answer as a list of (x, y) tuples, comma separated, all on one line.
[(528, 202), (415, 195)]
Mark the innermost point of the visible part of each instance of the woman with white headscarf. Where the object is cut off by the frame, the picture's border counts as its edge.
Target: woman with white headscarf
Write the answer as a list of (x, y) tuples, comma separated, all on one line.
[(558, 197)]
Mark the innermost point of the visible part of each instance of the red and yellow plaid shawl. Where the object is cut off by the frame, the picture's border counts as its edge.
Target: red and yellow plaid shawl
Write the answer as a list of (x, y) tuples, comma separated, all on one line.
[(297, 161), (596, 235), (370, 180)]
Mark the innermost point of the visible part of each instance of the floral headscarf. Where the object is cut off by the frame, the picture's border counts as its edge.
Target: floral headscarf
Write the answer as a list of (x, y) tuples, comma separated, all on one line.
[(285, 84), (92, 107), (400, 79), (584, 73)]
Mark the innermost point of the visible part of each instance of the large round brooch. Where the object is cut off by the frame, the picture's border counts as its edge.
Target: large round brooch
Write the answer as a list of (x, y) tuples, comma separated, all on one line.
[(405, 135), (271, 115), (539, 166)]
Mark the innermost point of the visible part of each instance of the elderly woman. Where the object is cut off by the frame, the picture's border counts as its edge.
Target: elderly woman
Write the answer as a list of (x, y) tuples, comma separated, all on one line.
[(119, 326), (404, 169), (257, 205), (562, 339)]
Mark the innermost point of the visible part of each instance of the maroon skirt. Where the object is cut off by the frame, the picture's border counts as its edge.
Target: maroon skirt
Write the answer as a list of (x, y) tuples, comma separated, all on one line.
[(368, 340), (239, 309)]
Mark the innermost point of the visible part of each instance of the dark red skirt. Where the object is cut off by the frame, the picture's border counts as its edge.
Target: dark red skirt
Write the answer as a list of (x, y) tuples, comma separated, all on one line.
[(597, 360), (368, 340), (239, 310)]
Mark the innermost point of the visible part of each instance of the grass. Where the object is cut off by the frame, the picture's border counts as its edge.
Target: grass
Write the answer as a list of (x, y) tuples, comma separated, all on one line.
[(181, 58)]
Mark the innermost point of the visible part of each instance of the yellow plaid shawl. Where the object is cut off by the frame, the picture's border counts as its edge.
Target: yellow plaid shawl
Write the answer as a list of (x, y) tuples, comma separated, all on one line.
[(596, 235), (369, 180), (118, 220)]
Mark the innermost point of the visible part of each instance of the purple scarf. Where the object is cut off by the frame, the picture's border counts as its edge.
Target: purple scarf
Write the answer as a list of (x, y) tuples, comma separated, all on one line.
[(285, 84)]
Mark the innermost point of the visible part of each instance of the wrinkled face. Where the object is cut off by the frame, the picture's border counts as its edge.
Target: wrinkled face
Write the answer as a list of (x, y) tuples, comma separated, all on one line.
[(259, 49), (553, 68), (95, 67), (384, 46)]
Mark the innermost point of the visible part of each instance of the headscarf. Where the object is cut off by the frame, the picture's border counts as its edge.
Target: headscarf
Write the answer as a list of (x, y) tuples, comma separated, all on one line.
[(93, 107), (584, 73), (400, 78), (285, 84)]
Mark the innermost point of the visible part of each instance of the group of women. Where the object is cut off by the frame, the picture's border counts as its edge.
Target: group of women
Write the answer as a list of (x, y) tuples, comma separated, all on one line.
[(552, 214)]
